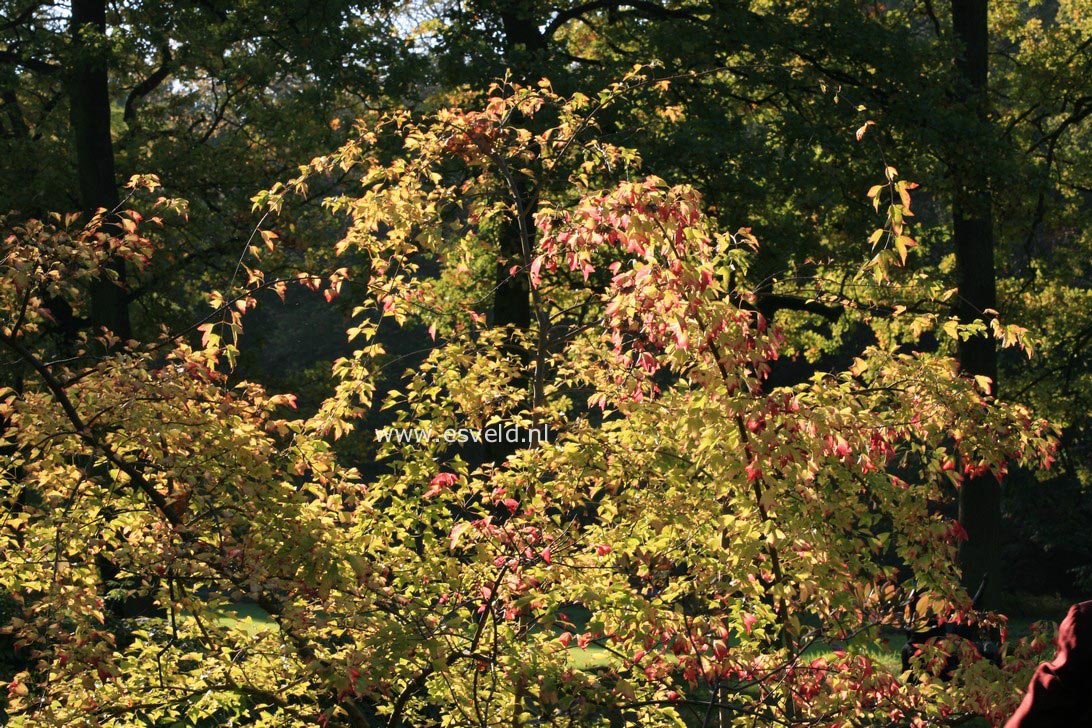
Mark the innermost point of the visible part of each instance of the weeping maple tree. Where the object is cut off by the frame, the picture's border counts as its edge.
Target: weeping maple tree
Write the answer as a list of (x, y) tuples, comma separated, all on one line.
[(690, 543)]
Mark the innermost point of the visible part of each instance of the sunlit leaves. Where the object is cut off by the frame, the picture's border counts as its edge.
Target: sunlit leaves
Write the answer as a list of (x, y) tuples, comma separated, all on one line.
[(688, 530)]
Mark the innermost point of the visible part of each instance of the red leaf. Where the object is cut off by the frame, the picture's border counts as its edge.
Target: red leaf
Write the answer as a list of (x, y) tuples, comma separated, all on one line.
[(754, 472), (536, 266), (440, 483)]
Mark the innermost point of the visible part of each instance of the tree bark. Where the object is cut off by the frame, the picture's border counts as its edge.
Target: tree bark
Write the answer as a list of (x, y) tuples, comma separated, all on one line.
[(89, 113), (522, 36), (525, 49), (972, 217), (512, 297)]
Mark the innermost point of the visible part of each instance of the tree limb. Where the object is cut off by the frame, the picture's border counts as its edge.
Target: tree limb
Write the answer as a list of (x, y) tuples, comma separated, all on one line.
[(650, 9), (61, 397), (149, 84), (31, 64)]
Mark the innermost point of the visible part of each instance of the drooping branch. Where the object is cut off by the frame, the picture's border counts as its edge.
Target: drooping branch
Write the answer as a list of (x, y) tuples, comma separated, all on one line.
[(151, 83), (22, 18), (769, 303)]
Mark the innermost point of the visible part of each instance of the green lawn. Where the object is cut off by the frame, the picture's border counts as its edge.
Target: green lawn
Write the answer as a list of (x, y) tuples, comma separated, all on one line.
[(246, 616)]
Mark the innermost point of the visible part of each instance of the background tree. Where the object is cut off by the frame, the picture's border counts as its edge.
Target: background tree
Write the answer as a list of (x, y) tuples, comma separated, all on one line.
[(218, 97), (87, 77), (972, 229)]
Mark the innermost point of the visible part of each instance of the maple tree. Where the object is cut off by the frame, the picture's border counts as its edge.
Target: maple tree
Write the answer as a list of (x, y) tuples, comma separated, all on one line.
[(219, 97), (761, 126), (704, 531)]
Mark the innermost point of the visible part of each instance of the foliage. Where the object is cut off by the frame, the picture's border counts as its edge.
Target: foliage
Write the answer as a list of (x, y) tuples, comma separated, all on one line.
[(706, 530), (216, 97)]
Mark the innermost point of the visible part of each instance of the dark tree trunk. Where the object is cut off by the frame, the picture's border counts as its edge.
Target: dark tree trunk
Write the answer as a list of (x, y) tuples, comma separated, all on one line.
[(89, 114), (89, 109), (512, 298), (524, 53), (522, 38), (972, 215)]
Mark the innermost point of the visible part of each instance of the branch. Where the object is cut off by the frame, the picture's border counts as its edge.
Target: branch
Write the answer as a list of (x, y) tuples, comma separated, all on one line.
[(10, 102), (650, 9), (931, 12), (31, 64), (770, 303), (418, 683), (85, 433), (148, 85), (1082, 109), (20, 19), (779, 605)]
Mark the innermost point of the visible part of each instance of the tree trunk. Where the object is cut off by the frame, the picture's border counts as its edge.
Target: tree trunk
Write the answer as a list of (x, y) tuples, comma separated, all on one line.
[(89, 110), (512, 297), (524, 53), (972, 216), (89, 114)]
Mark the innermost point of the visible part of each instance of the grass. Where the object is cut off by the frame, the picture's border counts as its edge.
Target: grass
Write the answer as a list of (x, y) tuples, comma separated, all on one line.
[(246, 616), (252, 619)]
